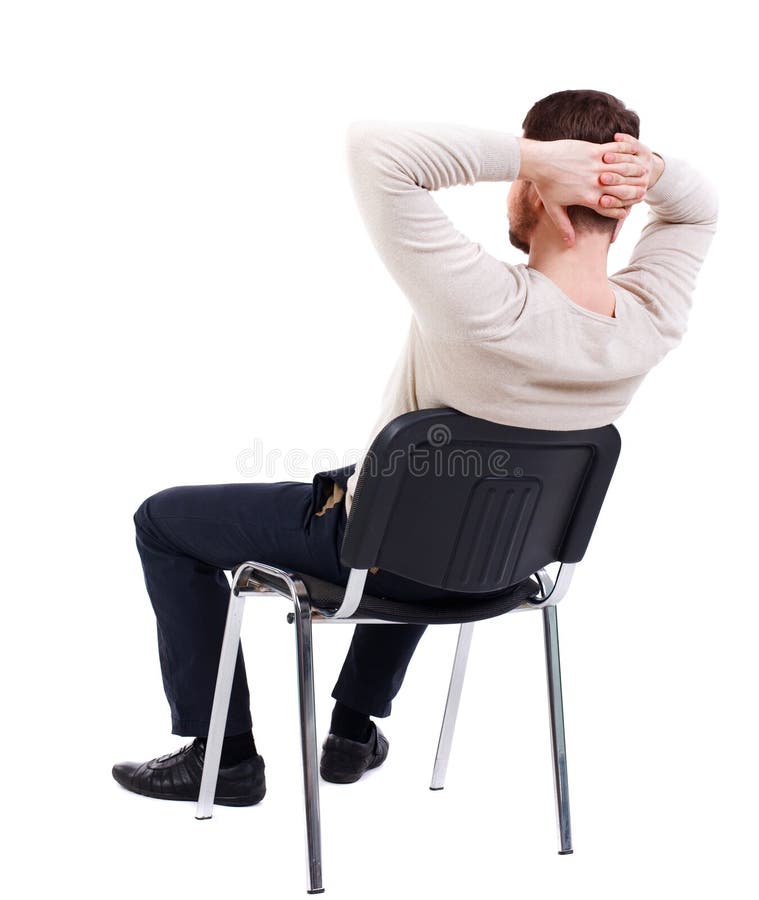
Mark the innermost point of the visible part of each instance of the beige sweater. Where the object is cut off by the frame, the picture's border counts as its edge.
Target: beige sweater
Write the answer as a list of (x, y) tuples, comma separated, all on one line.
[(502, 341)]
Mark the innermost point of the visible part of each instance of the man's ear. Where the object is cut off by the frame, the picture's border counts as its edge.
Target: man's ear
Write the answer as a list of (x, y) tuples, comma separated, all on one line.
[(617, 229)]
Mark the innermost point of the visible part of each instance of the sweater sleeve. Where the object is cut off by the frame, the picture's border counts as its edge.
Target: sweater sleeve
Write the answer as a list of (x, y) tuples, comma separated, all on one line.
[(456, 289), (671, 249)]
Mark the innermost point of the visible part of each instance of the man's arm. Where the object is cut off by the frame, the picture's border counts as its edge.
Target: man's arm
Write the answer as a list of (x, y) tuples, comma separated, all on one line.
[(457, 290), (672, 246), (657, 167)]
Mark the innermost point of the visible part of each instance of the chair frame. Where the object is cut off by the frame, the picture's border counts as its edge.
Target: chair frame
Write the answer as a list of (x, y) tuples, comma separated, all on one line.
[(255, 578)]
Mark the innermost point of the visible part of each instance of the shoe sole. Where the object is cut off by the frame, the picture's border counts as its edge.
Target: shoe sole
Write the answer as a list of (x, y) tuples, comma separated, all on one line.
[(337, 778), (250, 800)]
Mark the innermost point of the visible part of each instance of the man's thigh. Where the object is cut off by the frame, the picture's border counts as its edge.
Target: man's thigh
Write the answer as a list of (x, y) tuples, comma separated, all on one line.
[(224, 524)]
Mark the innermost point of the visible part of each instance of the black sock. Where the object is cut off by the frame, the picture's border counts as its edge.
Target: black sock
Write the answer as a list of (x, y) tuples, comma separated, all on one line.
[(348, 723), (236, 748)]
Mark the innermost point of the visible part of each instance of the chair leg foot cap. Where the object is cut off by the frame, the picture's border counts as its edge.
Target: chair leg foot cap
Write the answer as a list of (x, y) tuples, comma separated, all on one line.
[(436, 788), (316, 891), (566, 852)]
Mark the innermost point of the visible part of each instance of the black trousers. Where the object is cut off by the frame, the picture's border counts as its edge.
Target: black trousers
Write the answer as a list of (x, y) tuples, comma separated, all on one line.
[(188, 535)]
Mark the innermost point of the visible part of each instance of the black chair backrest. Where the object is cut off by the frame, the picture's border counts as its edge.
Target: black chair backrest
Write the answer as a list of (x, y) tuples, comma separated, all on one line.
[(465, 504)]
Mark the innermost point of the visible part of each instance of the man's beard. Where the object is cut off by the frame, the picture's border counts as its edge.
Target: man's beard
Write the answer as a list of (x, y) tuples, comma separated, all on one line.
[(519, 244), (523, 222)]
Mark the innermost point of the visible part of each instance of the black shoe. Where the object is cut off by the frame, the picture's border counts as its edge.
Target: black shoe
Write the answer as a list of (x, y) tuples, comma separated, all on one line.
[(344, 761), (176, 776)]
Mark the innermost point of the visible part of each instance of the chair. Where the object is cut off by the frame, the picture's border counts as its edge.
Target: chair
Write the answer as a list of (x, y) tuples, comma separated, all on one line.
[(458, 503)]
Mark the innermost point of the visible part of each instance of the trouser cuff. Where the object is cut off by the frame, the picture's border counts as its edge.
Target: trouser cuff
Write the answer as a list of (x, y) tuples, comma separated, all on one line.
[(199, 727), (360, 702)]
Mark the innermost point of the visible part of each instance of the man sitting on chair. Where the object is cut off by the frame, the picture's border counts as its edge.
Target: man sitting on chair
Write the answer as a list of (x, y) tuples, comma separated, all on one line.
[(554, 344)]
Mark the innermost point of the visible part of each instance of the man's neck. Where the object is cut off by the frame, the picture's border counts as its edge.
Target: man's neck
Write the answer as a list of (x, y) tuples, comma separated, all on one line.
[(579, 271)]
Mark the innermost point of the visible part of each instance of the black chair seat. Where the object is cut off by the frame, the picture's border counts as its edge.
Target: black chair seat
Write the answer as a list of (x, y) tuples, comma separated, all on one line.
[(326, 595)]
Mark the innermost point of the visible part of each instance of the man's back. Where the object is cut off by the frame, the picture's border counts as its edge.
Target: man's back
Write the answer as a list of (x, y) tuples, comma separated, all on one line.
[(504, 342)]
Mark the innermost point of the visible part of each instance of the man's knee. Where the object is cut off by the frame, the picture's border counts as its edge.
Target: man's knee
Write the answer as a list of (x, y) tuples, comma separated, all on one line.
[(158, 504)]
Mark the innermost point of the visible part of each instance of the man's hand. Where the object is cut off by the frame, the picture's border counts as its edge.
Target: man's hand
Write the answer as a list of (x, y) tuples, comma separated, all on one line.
[(628, 149), (608, 178)]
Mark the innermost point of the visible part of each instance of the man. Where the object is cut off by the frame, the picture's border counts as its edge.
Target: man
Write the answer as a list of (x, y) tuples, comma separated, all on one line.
[(553, 344)]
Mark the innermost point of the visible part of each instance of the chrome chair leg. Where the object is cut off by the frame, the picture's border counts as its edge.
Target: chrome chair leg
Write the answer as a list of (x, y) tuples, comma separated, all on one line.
[(451, 706), (304, 646), (558, 740), (222, 693)]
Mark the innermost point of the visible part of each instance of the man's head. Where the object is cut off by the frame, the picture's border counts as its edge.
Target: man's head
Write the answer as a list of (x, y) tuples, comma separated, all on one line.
[(567, 115)]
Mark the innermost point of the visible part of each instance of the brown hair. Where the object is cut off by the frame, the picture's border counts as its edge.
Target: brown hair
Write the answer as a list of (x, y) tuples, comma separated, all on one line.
[(581, 116)]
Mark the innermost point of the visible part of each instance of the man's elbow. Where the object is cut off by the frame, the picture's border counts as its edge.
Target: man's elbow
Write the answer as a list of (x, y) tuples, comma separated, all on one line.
[(364, 147), (364, 135), (712, 204), (705, 198)]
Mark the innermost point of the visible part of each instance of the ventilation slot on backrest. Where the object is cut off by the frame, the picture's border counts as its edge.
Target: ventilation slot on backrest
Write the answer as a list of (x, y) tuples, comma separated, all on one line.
[(492, 533)]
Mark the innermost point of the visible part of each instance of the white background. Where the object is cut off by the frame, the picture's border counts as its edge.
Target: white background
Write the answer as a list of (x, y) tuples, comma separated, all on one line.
[(184, 273)]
